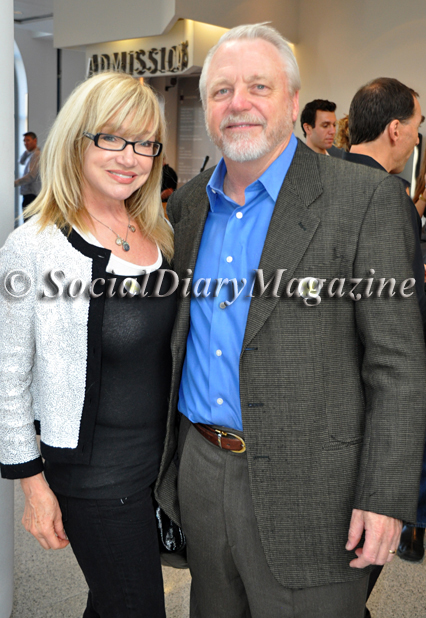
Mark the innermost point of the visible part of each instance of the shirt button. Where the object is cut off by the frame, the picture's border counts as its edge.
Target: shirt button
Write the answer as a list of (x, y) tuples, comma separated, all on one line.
[(239, 215), (218, 352), (229, 258), (222, 305), (220, 401)]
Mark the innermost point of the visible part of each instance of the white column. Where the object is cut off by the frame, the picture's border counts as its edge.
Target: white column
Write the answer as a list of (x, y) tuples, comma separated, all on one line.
[(7, 157), (6, 543), (7, 152)]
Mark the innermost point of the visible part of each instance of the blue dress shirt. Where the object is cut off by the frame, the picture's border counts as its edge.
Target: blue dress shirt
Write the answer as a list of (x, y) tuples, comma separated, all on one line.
[(230, 249)]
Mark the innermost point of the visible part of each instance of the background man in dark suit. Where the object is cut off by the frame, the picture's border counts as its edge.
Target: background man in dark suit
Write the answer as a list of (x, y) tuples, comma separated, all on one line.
[(318, 122), (321, 401), (384, 121)]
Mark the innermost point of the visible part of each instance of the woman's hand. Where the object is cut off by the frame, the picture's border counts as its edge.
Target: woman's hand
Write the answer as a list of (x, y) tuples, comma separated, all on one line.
[(42, 515)]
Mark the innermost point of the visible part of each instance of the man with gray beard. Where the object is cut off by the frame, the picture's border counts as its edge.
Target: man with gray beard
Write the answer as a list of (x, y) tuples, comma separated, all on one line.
[(290, 471)]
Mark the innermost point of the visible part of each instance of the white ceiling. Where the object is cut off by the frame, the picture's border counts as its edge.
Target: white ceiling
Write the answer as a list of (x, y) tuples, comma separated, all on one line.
[(26, 9), (28, 14)]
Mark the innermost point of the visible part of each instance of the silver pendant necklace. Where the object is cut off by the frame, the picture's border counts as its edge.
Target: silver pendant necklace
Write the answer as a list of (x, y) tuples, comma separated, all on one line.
[(121, 242)]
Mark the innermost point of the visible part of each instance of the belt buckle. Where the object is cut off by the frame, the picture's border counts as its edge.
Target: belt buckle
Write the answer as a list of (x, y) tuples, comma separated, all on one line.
[(233, 435)]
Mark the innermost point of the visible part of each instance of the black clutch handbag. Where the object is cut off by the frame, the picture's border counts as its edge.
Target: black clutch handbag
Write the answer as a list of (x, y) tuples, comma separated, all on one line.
[(171, 540)]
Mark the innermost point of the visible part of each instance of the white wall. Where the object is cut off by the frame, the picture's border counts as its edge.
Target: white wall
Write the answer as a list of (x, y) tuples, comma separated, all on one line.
[(73, 71), (7, 203), (345, 43), (7, 209), (39, 57), (284, 14)]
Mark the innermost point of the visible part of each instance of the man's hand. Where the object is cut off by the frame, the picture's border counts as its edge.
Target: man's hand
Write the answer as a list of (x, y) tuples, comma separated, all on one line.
[(42, 515), (382, 535)]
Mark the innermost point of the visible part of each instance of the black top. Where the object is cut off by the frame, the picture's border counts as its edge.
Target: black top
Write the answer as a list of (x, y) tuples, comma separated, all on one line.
[(363, 160), (418, 266), (338, 153), (133, 397)]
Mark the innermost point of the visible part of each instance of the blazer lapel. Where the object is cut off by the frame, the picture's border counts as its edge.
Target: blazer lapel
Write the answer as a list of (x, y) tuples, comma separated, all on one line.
[(189, 229), (291, 230), (188, 234)]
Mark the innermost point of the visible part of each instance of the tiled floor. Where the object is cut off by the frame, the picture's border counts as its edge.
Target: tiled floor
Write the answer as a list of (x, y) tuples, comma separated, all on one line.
[(50, 584)]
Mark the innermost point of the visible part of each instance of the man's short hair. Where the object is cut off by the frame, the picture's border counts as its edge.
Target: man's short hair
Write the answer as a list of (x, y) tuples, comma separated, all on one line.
[(309, 112), (375, 105), (251, 32), (30, 134)]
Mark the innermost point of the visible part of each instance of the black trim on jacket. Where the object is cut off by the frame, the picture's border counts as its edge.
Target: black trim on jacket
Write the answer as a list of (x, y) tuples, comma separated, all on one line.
[(83, 452)]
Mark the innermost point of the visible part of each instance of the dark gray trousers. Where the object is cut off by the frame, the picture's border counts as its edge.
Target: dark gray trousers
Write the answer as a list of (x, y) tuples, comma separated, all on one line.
[(230, 575)]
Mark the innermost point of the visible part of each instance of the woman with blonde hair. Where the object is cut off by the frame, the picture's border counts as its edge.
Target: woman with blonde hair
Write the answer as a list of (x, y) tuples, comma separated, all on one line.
[(342, 139), (84, 348)]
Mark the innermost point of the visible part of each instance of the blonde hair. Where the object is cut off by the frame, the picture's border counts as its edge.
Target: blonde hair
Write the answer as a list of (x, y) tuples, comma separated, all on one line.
[(342, 139), (109, 98)]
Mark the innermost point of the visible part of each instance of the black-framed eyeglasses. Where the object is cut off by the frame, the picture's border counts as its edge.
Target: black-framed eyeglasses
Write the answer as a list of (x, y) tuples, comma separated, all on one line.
[(113, 142)]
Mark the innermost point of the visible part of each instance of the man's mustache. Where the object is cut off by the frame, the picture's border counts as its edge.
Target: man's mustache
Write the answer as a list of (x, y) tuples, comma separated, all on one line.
[(242, 119)]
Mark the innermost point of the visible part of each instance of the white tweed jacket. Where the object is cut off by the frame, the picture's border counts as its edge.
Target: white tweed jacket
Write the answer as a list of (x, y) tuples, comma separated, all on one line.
[(43, 344)]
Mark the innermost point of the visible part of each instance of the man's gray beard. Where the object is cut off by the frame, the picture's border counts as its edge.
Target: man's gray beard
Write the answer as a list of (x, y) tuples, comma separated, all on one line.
[(241, 148), (245, 149)]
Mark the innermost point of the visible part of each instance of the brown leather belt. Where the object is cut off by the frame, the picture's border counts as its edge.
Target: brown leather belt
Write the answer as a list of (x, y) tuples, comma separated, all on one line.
[(222, 439)]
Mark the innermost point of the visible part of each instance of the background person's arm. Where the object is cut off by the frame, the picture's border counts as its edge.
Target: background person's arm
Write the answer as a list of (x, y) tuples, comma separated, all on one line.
[(32, 171)]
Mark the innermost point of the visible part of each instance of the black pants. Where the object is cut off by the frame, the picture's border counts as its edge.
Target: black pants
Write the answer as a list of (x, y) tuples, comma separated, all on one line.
[(115, 543), (27, 199)]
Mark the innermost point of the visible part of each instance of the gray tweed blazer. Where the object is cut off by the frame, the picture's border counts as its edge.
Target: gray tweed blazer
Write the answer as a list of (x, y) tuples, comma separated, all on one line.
[(333, 396)]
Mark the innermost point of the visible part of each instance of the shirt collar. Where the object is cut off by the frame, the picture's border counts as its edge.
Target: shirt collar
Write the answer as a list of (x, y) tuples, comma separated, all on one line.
[(215, 184), (271, 179)]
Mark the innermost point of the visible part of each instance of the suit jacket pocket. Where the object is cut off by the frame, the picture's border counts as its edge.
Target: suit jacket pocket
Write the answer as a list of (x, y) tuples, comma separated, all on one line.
[(335, 444)]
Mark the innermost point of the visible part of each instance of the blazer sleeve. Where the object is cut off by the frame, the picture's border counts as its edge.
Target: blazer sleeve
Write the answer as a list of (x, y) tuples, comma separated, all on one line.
[(393, 360), (19, 453)]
